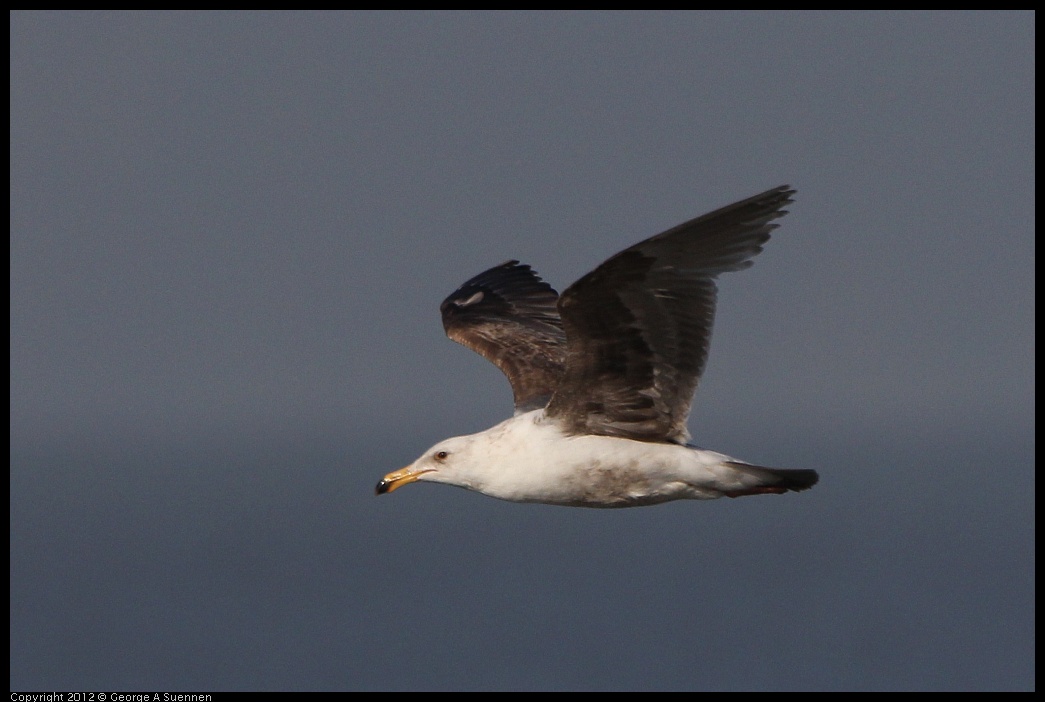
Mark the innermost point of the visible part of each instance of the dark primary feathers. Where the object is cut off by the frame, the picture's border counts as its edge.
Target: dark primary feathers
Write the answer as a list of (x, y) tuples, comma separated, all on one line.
[(622, 351), (638, 327)]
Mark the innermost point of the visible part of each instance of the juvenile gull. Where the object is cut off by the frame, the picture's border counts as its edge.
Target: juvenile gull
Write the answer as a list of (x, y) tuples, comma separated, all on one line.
[(604, 374)]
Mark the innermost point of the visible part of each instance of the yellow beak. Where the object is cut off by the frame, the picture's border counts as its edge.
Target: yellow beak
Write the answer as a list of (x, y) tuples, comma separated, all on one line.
[(398, 478)]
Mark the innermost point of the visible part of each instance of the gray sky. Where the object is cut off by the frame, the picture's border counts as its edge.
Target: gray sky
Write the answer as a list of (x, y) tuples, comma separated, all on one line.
[(230, 234)]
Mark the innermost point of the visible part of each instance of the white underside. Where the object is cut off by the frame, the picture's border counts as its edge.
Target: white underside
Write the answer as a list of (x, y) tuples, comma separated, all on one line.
[(529, 459)]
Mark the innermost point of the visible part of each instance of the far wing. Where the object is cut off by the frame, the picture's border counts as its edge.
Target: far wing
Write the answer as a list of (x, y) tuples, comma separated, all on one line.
[(508, 315)]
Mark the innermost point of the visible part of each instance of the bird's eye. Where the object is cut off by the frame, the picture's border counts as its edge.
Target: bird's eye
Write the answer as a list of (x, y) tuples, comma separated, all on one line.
[(441, 455)]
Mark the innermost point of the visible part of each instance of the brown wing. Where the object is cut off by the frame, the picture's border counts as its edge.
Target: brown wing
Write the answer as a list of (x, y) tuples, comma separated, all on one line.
[(508, 315), (638, 327)]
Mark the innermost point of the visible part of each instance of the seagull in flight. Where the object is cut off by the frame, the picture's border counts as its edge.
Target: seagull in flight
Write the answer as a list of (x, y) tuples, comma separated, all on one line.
[(604, 374)]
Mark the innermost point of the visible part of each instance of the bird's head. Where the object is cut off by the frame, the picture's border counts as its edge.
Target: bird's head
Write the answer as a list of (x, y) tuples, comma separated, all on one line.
[(450, 461)]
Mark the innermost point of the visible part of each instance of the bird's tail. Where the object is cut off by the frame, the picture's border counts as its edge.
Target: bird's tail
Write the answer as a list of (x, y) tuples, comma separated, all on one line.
[(774, 481)]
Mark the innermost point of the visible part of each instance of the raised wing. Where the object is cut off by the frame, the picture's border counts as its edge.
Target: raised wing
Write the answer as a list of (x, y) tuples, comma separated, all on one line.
[(507, 314), (638, 327)]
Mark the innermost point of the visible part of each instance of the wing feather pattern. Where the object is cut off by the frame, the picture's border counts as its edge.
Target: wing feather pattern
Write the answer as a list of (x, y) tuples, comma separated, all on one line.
[(638, 327)]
